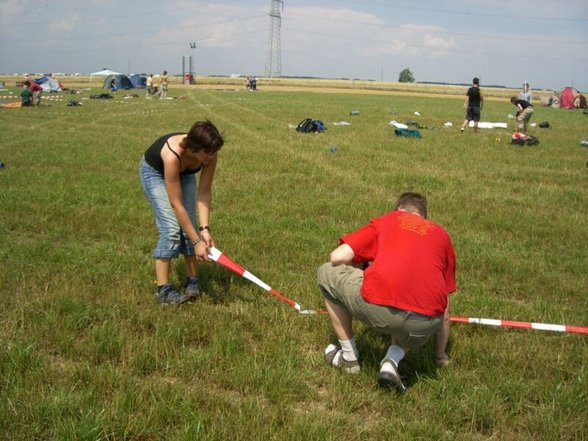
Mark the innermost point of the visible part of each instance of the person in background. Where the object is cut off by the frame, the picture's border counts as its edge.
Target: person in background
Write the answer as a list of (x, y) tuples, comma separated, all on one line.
[(149, 86), (473, 103), (580, 101), (37, 91), (168, 177), (524, 113), (113, 86), (403, 291), (526, 94), (26, 96), (163, 85)]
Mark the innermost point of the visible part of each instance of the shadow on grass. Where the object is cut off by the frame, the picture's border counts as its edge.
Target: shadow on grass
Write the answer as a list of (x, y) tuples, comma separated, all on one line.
[(418, 364), (217, 283)]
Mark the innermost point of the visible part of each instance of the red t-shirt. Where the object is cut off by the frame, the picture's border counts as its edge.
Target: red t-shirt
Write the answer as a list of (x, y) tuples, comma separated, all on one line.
[(413, 262), (35, 87)]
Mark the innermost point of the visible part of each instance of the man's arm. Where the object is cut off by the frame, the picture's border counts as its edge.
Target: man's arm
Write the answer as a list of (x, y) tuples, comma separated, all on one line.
[(442, 339), (341, 255)]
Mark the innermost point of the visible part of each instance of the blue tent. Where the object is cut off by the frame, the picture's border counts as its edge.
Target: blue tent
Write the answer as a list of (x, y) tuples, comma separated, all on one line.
[(122, 82), (139, 80)]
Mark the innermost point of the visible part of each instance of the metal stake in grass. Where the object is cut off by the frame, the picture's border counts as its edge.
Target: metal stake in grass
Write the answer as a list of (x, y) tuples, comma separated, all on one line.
[(216, 255)]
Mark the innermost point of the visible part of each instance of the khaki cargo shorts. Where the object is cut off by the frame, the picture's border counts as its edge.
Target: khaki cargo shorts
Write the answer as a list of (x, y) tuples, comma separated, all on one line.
[(341, 285)]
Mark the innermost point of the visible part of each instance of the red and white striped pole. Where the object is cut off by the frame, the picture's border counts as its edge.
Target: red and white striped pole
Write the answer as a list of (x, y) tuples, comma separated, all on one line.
[(216, 255), (225, 261), (525, 325)]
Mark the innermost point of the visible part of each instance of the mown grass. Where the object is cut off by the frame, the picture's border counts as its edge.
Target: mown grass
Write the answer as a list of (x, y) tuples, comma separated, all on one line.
[(88, 354)]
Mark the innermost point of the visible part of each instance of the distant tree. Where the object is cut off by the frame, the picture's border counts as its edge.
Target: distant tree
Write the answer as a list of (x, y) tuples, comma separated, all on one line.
[(406, 76)]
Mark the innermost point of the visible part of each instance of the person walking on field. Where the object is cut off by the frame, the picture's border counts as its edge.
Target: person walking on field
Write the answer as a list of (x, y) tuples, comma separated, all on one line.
[(168, 177), (524, 112), (403, 292), (149, 86), (164, 84), (473, 103), (526, 94)]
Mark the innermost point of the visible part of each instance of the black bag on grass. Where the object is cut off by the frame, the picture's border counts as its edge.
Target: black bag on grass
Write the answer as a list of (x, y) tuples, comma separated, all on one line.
[(310, 125), (526, 140), (531, 140)]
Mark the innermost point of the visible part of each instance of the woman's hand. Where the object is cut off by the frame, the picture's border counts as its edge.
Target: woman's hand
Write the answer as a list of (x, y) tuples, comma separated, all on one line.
[(201, 250), (207, 238)]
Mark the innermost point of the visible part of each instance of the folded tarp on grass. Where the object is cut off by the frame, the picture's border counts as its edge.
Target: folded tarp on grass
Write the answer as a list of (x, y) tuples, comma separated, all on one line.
[(489, 125)]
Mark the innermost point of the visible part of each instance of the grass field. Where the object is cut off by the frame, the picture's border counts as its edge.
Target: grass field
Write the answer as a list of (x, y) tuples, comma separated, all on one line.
[(87, 353)]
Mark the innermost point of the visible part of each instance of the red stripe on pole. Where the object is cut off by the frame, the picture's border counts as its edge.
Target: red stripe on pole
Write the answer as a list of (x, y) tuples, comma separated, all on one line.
[(512, 324), (577, 329), (233, 266), (280, 296), (460, 319)]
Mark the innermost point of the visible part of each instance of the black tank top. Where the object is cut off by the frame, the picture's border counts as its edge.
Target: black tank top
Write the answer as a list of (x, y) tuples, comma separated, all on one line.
[(153, 154), (474, 97)]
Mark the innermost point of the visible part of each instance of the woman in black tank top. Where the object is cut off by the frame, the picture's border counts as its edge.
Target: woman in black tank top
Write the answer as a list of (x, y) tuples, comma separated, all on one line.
[(168, 177)]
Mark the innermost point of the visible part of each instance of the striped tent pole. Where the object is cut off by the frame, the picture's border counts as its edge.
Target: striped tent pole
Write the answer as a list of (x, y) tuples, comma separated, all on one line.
[(524, 325), (225, 261)]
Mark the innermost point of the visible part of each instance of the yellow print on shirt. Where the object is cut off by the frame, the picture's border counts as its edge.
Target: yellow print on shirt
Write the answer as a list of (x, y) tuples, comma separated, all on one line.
[(415, 224)]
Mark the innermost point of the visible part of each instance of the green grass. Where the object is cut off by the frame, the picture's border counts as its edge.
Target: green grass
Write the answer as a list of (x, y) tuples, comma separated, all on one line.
[(87, 354)]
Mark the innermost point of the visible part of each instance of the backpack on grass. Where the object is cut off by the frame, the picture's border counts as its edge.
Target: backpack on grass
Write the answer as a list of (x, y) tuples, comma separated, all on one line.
[(310, 125), (521, 139), (411, 133)]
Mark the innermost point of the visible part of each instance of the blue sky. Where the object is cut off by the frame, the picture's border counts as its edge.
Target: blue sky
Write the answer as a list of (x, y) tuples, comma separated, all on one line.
[(502, 42)]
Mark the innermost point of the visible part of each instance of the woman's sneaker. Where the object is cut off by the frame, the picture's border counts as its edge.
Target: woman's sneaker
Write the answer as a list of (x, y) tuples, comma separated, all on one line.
[(192, 287), (169, 296)]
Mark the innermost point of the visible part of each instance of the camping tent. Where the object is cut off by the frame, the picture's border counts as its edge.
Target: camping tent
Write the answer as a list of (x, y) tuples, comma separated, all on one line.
[(139, 80), (122, 81), (103, 73), (49, 84), (566, 98)]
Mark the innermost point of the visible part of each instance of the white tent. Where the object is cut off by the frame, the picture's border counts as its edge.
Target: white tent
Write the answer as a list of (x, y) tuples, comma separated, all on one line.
[(103, 73)]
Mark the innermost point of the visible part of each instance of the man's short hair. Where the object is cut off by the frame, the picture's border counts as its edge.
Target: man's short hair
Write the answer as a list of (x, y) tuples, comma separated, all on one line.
[(413, 202), (476, 81)]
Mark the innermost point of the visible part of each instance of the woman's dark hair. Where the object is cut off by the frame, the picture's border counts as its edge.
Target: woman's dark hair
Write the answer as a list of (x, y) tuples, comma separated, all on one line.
[(414, 202), (203, 136)]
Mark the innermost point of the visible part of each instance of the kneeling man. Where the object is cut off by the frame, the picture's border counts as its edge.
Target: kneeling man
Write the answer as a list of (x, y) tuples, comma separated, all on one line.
[(402, 292)]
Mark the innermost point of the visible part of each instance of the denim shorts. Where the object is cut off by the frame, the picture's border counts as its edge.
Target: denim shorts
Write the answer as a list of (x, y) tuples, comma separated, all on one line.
[(172, 240), (341, 284)]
